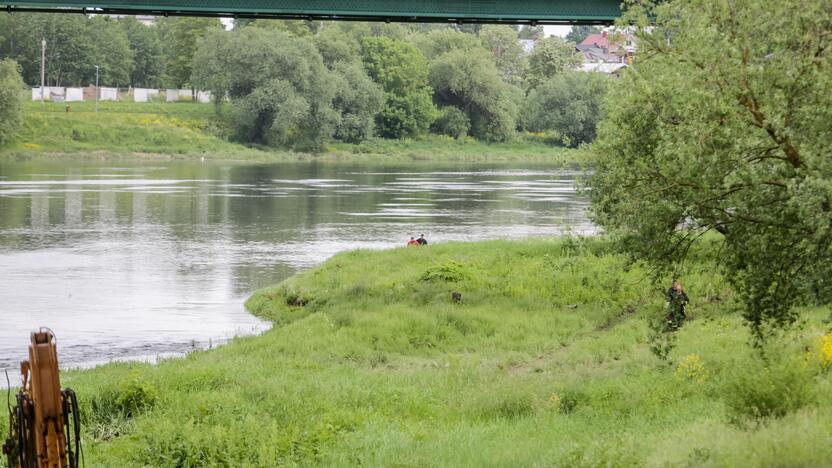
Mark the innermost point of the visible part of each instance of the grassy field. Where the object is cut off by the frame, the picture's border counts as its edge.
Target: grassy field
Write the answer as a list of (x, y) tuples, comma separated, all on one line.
[(544, 361), (186, 129)]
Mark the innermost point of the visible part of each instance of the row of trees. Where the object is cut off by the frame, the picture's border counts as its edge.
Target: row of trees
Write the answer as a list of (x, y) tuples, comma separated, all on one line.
[(126, 51), (300, 84)]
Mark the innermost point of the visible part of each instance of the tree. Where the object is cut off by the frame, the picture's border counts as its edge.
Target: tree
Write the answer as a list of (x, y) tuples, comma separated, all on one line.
[(441, 41), (549, 57), (112, 51), (401, 70), (179, 38), (719, 131), (508, 54), (11, 97), (357, 100), (452, 122), (568, 104), (531, 32), (470, 81), (578, 33), (281, 92), (148, 58)]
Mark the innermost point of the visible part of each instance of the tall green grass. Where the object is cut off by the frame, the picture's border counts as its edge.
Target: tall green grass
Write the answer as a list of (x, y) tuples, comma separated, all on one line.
[(186, 129), (543, 362)]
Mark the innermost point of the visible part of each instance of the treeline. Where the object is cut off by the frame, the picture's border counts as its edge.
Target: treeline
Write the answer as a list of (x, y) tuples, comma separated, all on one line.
[(301, 84)]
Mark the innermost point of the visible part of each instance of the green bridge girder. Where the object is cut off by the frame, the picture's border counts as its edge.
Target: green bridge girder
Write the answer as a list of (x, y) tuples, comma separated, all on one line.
[(460, 11)]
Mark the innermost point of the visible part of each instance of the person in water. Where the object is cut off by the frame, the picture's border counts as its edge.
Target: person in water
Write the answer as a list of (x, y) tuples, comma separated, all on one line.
[(413, 242), (677, 301), (422, 240)]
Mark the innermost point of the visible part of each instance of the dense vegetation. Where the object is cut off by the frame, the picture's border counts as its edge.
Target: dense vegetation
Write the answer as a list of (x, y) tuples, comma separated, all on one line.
[(544, 361), (11, 97), (301, 85), (726, 128), (125, 129)]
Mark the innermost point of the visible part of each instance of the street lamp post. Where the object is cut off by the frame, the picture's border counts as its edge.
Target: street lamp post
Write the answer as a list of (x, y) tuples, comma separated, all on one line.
[(42, 66), (96, 88)]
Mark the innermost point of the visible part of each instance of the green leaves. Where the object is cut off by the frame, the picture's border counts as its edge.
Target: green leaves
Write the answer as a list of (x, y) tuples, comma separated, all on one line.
[(723, 125), (11, 97)]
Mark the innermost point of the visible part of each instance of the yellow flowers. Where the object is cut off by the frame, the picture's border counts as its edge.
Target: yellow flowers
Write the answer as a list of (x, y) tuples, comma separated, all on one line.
[(826, 351), (554, 402), (692, 368)]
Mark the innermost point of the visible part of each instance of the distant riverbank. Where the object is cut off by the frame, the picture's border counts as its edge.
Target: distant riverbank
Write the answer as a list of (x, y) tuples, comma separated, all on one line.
[(540, 359), (191, 130)]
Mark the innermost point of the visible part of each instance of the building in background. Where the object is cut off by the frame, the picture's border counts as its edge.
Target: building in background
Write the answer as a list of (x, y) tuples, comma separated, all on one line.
[(608, 46)]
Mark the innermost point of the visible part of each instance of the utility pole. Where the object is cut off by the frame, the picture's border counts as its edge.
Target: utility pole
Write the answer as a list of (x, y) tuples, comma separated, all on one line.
[(96, 88), (42, 66)]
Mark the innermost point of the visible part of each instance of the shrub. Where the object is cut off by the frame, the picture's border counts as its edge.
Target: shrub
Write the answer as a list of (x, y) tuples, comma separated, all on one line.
[(452, 122), (449, 272), (11, 97), (768, 388)]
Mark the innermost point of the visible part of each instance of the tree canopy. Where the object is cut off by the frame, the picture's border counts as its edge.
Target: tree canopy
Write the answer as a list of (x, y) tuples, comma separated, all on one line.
[(11, 95), (401, 70), (716, 130), (549, 57)]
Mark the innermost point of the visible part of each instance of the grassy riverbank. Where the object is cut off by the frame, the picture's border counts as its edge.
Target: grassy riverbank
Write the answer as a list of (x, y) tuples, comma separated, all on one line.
[(188, 130), (543, 362)]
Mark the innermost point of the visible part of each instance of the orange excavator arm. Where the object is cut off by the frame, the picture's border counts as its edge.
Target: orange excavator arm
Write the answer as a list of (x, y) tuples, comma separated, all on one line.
[(40, 422)]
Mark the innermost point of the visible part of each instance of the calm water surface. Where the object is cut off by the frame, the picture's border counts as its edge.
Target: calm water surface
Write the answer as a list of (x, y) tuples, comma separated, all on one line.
[(137, 260)]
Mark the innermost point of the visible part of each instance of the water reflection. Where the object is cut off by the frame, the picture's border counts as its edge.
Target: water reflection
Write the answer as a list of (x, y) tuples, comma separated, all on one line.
[(149, 259)]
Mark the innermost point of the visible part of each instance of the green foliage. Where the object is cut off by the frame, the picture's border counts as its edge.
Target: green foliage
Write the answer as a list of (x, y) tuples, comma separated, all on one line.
[(470, 81), (718, 130), (401, 70), (438, 42), (357, 100), (148, 58), (508, 54), (569, 105), (280, 89), (578, 33), (452, 122), (380, 367), (11, 98), (112, 53), (550, 57), (770, 387), (448, 272), (180, 39)]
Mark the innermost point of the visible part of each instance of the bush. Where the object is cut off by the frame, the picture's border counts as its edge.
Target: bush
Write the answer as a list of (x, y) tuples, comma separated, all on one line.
[(452, 122), (449, 272), (11, 98), (768, 389)]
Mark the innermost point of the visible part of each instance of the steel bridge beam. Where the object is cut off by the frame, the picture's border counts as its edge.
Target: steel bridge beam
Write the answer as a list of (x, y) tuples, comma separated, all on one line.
[(455, 11)]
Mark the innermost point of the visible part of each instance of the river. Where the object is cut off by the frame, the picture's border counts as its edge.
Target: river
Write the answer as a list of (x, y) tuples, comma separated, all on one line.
[(142, 259)]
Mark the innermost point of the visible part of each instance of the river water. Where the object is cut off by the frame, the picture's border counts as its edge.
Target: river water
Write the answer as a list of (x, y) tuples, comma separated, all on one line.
[(127, 260)]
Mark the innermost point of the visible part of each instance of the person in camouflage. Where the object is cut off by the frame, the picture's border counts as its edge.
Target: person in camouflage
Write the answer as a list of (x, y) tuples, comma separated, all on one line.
[(677, 300)]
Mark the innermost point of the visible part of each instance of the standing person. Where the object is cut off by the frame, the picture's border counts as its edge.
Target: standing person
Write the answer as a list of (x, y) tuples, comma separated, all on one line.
[(413, 242), (422, 240), (677, 301)]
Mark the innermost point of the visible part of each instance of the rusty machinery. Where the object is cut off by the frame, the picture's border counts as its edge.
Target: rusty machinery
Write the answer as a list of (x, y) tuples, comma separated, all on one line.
[(44, 426)]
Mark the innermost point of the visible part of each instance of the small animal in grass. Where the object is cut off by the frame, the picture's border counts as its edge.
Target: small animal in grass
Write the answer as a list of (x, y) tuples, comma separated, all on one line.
[(456, 296)]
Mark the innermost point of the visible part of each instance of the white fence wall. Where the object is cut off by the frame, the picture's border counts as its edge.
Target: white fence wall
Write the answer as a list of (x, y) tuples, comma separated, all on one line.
[(203, 96), (108, 94), (74, 94), (171, 95), (144, 94)]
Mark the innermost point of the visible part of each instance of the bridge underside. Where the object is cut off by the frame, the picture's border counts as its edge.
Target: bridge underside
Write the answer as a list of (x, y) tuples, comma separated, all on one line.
[(454, 11)]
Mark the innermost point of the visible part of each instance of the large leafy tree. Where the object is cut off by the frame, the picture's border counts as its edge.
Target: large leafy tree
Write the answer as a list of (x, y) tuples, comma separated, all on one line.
[(180, 36), (112, 52), (281, 91), (549, 57), (568, 105), (508, 54), (724, 125), (469, 81), (401, 70), (441, 41), (11, 97), (148, 58)]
